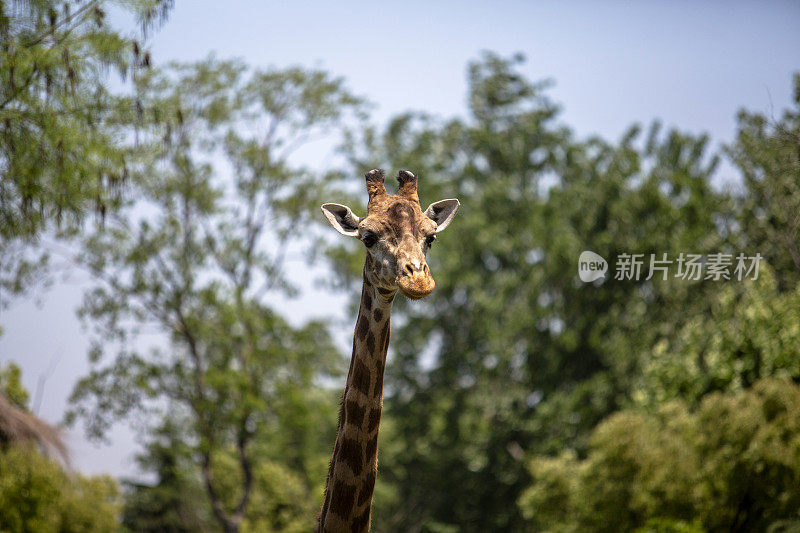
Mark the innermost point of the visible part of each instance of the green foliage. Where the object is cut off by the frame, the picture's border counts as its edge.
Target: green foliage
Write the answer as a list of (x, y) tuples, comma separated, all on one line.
[(11, 385), (61, 153), (639, 406), (752, 331), (765, 152), (285, 493), (290, 463), (195, 256), (176, 502), (668, 525), (282, 500), (512, 354), (36, 494), (722, 466), (733, 464)]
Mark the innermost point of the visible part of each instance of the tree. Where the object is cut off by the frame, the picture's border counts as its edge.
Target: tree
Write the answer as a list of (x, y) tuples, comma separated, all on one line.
[(287, 483), (176, 502), (512, 354), (194, 256), (36, 494), (751, 334), (11, 386), (766, 152), (60, 150), (729, 465), (710, 445)]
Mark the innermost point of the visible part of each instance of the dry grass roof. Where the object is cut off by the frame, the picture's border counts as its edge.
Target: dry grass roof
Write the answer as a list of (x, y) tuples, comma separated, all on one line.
[(20, 426)]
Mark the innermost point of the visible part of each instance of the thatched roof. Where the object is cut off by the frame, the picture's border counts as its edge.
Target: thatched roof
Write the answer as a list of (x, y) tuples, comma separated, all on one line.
[(19, 426)]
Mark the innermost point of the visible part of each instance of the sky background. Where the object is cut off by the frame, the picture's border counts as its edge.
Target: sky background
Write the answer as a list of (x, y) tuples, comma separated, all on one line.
[(691, 64)]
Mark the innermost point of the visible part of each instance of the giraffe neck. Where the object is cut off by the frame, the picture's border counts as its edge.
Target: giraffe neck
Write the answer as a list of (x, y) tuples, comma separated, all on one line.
[(354, 466)]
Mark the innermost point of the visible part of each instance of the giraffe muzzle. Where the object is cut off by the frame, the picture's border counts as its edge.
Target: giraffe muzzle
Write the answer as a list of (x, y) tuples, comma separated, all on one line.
[(415, 281)]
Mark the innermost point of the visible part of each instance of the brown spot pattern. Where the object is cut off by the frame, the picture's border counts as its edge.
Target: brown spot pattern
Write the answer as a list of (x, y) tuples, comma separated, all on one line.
[(372, 448), (362, 522), (341, 408), (371, 342), (362, 327), (385, 336), (344, 495), (367, 301), (333, 458), (377, 387), (397, 214), (374, 419), (355, 414), (350, 453), (361, 377), (367, 488)]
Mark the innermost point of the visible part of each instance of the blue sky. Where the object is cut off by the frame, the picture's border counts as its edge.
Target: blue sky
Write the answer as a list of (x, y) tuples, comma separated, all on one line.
[(691, 64)]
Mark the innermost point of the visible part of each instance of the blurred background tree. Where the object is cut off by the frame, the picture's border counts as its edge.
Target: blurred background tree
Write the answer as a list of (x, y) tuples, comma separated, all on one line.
[(194, 256), (512, 355), (517, 397), (749, 333), (37, 493), (767, 155), (176, 501), (728, 465), (61, 154)]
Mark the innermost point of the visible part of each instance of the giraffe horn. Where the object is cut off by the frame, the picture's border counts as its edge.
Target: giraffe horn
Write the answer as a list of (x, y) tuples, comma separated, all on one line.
[(375, 185), (408, 185)]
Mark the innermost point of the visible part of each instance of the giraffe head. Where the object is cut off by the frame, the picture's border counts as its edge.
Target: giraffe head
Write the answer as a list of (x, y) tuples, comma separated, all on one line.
[(396, 233)]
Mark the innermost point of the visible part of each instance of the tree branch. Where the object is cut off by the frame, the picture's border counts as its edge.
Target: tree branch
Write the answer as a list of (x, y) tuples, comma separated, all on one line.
[(66, 20)]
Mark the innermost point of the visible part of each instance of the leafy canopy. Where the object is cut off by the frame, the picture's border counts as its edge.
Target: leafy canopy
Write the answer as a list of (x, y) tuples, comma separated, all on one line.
[(61, 149), (194, 256), (513, 355)]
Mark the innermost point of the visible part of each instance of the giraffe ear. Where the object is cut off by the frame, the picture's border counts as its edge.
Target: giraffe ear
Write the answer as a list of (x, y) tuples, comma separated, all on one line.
[(342, 219), (442, 212)]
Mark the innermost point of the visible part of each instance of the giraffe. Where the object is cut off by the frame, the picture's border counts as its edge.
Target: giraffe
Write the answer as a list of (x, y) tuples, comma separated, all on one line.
[(397, 235)]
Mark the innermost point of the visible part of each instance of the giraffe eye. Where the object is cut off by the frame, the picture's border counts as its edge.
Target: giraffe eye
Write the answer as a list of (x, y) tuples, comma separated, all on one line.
[(429, 240), (369, 239)]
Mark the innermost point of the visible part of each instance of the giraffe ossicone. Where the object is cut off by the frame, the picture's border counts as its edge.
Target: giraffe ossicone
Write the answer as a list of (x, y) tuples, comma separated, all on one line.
[(397, 234)]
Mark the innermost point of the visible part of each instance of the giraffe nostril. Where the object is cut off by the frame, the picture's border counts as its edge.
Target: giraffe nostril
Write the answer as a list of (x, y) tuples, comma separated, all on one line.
[(409, 269), (425, 269)]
